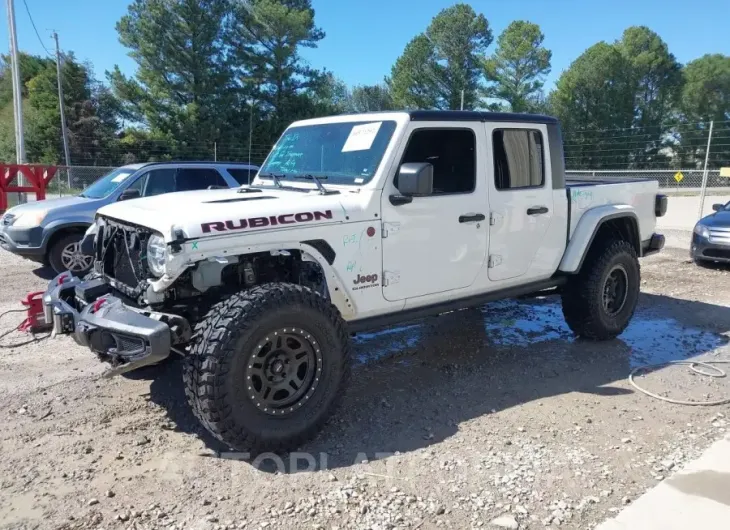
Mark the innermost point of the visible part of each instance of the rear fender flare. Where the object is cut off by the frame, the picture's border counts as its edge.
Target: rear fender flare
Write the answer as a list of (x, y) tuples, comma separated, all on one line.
[(587, 228)]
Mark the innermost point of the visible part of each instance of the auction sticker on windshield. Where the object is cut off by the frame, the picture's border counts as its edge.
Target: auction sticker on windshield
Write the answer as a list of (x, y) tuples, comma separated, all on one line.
[(361, 137), (121, 177)]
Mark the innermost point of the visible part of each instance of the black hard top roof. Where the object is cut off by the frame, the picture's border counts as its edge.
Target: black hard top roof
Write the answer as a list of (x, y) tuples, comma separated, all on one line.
[(465, 115), (478, 115)]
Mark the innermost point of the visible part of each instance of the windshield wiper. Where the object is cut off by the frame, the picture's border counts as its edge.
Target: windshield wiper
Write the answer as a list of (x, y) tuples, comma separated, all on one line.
[(274, 177), (318, 182), (278, 183)]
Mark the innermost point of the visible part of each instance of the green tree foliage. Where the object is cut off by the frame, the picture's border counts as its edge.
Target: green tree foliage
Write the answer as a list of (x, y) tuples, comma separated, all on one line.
[(184, 85), (706, 91), (268, 36), (331, 96), (91, 127), (705, 97), (370, 98), (656, 78), (595, 94), (444, 61), (518, 67)]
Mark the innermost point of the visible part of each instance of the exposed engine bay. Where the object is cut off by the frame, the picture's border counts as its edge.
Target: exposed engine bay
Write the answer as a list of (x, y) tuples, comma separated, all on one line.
[(122, 261)]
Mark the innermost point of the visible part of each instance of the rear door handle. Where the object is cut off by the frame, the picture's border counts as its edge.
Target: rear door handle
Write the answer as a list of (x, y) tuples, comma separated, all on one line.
[(472, 217), (537, 210)]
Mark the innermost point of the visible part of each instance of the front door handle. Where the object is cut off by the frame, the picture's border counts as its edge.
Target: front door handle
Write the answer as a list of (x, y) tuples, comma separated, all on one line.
[(471, 217), (537, 210)]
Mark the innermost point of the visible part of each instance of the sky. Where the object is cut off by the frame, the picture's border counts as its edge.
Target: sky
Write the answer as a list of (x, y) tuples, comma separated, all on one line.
[(364, 38)]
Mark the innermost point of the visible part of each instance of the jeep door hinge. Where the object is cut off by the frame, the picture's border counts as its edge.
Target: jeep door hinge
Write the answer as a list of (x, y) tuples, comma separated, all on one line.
[(389, 228), (494, 261), (494, 218), (390, 277)]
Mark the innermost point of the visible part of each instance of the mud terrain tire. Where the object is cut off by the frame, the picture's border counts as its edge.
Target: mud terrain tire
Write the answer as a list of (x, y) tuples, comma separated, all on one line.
[(587, 305), (255, 334)]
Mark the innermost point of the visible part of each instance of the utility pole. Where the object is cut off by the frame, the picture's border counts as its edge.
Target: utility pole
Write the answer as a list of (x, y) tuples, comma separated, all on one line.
[(64, 132), (250, 135), (17, 95), (704, 173), (462, 100)]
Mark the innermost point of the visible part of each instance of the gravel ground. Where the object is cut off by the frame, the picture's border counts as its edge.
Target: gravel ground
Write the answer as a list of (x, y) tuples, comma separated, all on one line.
[(493, 418)]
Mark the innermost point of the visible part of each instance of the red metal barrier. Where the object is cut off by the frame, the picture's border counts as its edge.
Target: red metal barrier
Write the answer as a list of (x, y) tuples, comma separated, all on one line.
[(38, 176)]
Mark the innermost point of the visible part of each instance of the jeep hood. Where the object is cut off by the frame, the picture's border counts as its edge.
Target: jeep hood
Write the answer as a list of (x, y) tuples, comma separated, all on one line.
[(209, 213)]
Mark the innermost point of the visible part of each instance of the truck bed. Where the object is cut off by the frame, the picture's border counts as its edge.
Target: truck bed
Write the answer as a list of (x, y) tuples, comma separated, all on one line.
[(571, 182), (589, 192)]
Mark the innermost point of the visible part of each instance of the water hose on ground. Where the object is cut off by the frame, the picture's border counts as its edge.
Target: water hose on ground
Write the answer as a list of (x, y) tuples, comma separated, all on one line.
[(695, 367), (17, 328)]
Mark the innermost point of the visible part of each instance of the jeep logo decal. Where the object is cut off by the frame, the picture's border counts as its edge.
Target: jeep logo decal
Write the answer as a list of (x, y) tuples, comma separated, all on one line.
[(260, 222), (364, 282), (370, 278)]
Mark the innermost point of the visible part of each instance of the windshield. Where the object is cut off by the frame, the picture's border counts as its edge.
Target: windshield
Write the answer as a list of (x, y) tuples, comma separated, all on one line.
[(103, 186), (345, 153)]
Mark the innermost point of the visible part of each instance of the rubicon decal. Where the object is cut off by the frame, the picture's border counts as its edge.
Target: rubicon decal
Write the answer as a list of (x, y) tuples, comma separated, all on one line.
[(262, 222)]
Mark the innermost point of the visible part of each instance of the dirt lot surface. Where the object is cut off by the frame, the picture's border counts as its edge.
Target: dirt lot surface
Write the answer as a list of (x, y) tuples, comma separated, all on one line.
[(493, 418)]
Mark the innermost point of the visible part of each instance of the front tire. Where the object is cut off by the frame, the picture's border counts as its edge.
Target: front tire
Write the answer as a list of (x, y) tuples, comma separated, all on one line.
[(267, 367), (599, 302)]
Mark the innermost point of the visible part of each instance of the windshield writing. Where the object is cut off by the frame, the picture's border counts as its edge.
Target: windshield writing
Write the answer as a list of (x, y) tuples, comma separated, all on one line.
[(345, 153)]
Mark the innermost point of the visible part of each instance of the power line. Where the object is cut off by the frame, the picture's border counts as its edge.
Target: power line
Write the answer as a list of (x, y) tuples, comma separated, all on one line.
[(27, 9)]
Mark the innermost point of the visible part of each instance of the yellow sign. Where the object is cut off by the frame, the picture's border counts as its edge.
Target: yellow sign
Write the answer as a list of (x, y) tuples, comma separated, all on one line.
[(725, 171), (678, 176)]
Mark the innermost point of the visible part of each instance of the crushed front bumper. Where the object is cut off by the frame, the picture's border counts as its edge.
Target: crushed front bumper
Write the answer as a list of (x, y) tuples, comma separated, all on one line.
[(124, 336)]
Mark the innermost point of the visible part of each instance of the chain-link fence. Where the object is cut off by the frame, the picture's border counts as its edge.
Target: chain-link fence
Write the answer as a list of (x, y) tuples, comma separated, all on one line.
[(72, 180), (681, 179)]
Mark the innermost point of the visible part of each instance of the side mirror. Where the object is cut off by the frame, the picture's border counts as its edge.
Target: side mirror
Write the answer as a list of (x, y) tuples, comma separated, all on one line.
[(415, 179), (129, 194), (718, 207)]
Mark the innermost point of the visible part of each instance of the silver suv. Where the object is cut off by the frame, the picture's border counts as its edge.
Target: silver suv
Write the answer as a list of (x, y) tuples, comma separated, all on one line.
[(50, 231)]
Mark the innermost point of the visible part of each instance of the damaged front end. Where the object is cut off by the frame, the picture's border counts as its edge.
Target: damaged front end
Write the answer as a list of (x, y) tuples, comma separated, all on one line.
[(105, 312)]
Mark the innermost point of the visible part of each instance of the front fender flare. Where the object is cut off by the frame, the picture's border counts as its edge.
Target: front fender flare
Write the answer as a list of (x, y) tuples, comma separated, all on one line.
[(587, 229), (317, 253)]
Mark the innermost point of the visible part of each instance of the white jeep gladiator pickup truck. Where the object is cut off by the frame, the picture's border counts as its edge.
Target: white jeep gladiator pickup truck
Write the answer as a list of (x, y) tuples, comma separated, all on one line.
[(353, 222)]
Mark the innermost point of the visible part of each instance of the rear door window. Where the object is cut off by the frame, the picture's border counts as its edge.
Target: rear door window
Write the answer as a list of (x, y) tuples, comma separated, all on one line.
[(195, 178), (518, 159), (160, 181)]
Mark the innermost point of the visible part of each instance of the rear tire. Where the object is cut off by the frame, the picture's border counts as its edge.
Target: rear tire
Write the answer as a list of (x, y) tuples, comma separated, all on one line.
[(599, 302), (65, 255), (279, 336)]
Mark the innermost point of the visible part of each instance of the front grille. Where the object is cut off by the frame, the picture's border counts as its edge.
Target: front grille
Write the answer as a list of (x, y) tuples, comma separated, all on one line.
[(121, 254), (720, 236)]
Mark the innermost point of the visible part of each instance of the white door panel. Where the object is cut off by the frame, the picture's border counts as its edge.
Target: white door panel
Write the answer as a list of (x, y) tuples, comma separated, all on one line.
[(436, 243), (521, 199)]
